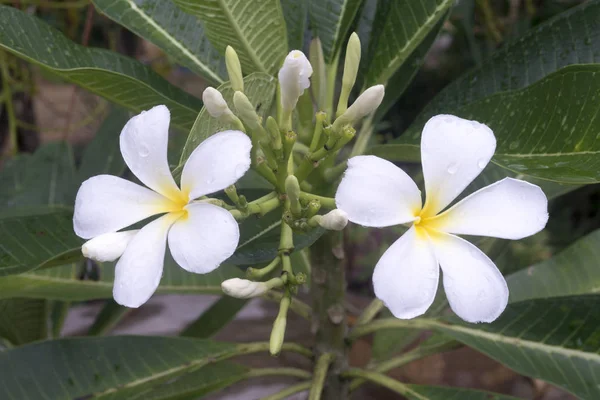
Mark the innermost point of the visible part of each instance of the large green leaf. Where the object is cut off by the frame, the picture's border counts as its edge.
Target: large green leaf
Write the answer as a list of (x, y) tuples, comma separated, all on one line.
[(260, 89), (41, 238), (23, 320), (572, 37), (65, 283), (255, 29), (44, 178), (556, 340), (424, 392), (178, 34), (211, 321), (295, 14), (330, 21), (120, 79), (401, 27), (548, 130), (571, 272), (108, 367)]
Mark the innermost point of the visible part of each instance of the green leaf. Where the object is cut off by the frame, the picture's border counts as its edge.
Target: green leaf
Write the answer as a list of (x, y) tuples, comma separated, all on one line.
[(103, 154), (23, 320), (120, 79), (330, 21), (179, 34), (424, 392), (211, 321), (556, 340), (40, 239), (107, 367), (44, 178), (65, 283), (572, 37), (260, 89), (399, 81), (571, 272), (256, 30), (548, 130), (295, 13), (401, 27)]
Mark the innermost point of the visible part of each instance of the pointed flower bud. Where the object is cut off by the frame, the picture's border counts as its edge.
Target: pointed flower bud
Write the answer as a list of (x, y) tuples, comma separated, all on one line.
[(245, 110), (334, 220), (243, 288), (107, 247), (234, 69), (294, 78), (214, 103), (364, 105), (292, 189), (351, 65)]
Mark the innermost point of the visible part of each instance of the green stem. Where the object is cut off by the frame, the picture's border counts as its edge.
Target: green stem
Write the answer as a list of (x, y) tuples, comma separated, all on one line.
[(319, 375), (259, 273), (390, 323), (363, 137), (297, 306), (328, 285), (331, 75), (287, 392), (331, 174), (261, 206), (327, 202), (381, 380), (249, 348), (293, 372), (370, 312), (406, 358)]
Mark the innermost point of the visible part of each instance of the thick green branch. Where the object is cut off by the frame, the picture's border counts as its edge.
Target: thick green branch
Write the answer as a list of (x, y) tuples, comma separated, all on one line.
[(370, 312), (284, 394), (387, 323), (382, 380), (319, 376), (293, 372)]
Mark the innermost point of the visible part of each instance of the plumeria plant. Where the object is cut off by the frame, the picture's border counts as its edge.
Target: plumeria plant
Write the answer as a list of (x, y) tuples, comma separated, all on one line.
[(281, 167)]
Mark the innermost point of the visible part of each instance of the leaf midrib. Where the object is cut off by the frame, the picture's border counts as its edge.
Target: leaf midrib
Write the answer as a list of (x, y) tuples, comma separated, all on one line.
[(175, 42), (242, 38)]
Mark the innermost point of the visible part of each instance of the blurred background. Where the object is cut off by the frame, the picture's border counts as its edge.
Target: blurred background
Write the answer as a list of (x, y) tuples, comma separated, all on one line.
[(37, 109)]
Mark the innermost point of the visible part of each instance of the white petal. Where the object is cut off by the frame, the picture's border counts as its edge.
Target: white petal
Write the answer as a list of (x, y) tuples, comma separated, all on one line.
[(107, 247), (453, 152), (374, 192), (508, 209), (294, 78), (204, 239), (475, 289), (406, 276), (139, 270), (243, 288), (105, 204), (216, 163), (144, 141)]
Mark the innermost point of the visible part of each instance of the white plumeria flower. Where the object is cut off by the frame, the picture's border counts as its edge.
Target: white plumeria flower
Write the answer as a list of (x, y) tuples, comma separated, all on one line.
[(200, 235), (376, 193), (294, 78)]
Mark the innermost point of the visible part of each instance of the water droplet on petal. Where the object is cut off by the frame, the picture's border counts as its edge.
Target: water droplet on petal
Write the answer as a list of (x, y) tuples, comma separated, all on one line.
[(452, 168), (481, 163), (143, 150)]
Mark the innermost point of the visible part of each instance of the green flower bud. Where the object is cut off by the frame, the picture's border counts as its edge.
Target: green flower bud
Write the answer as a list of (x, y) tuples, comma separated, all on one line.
[(245, 110), (350, 71), (234, 69), (292, 189)]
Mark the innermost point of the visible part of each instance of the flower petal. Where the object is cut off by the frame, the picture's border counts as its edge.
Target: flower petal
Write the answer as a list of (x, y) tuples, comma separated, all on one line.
[(144, 141), (216, 163), (374, 192), (453, 152), (108, 246), (139, 270), (508, 209), (207, 237), (406, 277), (105, 204), (475, 289)]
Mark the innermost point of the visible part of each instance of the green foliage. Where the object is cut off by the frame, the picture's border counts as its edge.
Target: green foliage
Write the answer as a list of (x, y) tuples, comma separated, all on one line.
[(295, 13), (119, 79), (179, 34), (23, 320), (211, 321), (256, 30)]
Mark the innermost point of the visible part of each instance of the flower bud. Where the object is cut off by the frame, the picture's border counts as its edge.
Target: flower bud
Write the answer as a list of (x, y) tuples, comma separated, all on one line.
[(234, 69), (319, 80), (351, 65), (294, 78), (214, 103), (334, 220), (107, 247), (245, 110), (292, 189), (364, 105), (243, 288)]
